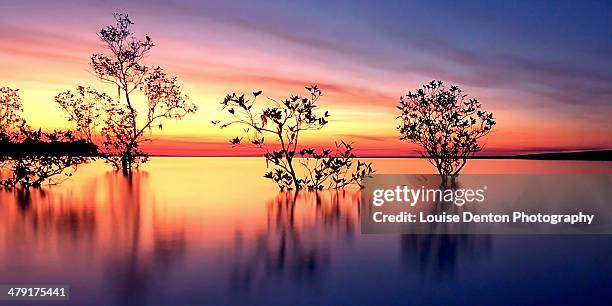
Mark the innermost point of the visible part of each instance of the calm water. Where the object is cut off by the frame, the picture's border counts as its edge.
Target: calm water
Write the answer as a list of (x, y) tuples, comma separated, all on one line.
[(212, 231)]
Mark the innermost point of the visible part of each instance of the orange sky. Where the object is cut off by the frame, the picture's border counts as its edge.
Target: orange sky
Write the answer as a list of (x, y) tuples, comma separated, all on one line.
[(49, 54)]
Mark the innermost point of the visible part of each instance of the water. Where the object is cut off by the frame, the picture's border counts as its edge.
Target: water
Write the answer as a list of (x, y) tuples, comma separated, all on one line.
[(212, 231)]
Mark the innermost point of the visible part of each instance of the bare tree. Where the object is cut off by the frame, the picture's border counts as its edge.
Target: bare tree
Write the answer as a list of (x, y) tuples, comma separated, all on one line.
[(445, 123), (118, 121), (285, 121)]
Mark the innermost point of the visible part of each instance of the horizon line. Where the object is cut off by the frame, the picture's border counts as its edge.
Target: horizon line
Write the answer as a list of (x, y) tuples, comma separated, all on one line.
[(487, 156)]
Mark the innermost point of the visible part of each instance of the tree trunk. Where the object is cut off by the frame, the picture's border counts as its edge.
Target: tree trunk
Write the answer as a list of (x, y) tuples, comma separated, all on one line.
[(125, 164)]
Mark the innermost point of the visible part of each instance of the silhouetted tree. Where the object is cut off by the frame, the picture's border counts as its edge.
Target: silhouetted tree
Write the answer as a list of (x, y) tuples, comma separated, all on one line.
[(11, 121), (285, 121), (445, 123), (28, 167), (117, 121)]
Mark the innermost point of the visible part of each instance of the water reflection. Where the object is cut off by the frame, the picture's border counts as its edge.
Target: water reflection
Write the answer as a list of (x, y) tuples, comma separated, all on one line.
[(135, 266), (301, 230), (155, 239), (437, 255), (38, 216), (117, 217)]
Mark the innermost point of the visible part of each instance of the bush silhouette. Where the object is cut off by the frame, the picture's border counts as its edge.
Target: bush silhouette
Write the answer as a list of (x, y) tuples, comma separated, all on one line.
[(30, 158), (445, 123), (285, 121)]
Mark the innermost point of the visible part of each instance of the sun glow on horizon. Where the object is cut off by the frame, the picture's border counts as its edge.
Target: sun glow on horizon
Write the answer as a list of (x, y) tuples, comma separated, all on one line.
[(360, 90)]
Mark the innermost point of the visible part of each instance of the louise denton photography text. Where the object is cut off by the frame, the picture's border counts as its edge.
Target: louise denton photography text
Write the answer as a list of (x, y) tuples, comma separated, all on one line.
[(468, 217), (410, 197)]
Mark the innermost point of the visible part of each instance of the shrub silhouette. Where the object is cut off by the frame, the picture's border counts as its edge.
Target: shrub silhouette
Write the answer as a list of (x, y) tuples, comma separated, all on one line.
[(118, 121), (11, 122), (445, 123), (286, 120), (29, 158)]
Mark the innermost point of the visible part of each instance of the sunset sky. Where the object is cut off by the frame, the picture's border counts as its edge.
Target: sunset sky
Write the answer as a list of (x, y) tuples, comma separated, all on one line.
[(544, 68)]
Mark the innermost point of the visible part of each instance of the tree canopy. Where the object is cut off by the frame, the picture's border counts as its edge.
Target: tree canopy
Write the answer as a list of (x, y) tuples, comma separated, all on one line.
[(446, 124), (117, 121)]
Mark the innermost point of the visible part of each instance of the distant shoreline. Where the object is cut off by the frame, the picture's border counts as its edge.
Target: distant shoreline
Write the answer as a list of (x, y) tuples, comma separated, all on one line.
[(596, 155), (83, 149)]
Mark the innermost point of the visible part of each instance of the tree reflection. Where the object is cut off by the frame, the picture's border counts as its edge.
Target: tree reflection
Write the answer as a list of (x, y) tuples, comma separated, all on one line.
[(150, 245), (42, 216), (112, 221), (438, 254), (302, 228)]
